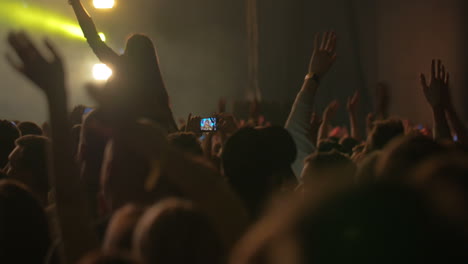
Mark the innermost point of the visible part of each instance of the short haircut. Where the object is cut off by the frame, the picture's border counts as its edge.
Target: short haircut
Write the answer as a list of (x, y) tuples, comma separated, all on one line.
[(29, 128), (186, 142), (8, 134), (332, 162), (383, 132), (174, 231), (404, 154)]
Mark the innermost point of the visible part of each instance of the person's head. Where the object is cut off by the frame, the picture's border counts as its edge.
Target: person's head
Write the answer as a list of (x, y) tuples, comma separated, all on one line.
[(28, 164), (8, 134), (119, 233), (140, 48), (348, 144), (402, 155), (186, 142), (106, 258), (380, 222), (327, 145), (29, 128), (445, 177), (332, 165), (383, 132), (24, 230), (257, 163), (174, 231)]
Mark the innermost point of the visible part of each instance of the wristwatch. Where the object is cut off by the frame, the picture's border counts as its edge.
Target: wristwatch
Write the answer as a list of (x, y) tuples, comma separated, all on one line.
[(313, 76)]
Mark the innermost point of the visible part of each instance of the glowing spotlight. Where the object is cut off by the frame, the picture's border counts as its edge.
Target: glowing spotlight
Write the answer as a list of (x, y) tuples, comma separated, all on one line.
[(101, 72), (103, 4), (102, 36)]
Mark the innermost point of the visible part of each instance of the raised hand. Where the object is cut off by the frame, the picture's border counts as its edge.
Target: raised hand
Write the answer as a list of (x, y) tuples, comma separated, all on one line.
[(436, 92), (48, 74), (324, 54), (352, 106), (330, 111), (353, 102)]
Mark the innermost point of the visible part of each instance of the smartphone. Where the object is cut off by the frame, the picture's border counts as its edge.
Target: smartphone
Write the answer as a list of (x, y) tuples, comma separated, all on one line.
[(87, 110), (208, 124)]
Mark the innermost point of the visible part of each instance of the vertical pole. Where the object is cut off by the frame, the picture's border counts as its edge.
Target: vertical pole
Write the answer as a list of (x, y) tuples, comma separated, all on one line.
[(253, 92)]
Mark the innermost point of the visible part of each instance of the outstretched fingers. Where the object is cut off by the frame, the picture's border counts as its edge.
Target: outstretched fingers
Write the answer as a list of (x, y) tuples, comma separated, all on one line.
[(56, 55)]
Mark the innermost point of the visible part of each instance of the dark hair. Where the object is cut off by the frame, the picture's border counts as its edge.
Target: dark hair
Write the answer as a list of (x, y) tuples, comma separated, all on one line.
[(348, 144), (29, 128), (174, 231), (331, 164), (327, 145), (33, 157), (383, 132), (8, 134), (404, 154), (387, 222), (186, 142), (24, 230), (250, 159)]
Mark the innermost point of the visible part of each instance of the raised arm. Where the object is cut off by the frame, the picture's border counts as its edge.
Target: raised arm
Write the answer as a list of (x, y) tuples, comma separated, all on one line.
[(103, 52), (433, 94), (458, 127), (74, 218), (298, 123), (352, 107), (328, 114)]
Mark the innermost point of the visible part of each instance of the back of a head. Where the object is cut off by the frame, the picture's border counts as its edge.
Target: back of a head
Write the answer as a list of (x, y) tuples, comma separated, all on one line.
[(24, 230), (387, 223), (327, 145), (404, 154), (29, 128), (331, 164), (32, 158), (173, 231), (8, 135), (186, 142), (119, 233), (140, 48), (383, 132), (257, 162), (348, 144)]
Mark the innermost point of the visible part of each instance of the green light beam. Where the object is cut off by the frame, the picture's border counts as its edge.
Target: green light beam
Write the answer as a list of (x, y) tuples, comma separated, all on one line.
[(34, 18)]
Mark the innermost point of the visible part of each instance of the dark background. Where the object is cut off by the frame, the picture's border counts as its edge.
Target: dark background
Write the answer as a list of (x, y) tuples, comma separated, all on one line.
[(202, 48)]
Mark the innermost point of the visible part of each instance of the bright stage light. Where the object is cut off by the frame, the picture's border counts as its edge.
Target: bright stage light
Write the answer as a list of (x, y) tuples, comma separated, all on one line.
[(101, 72), (103, 4)]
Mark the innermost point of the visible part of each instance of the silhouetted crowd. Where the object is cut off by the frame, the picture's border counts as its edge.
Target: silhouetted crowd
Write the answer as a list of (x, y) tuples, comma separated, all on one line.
[(122, 182)]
